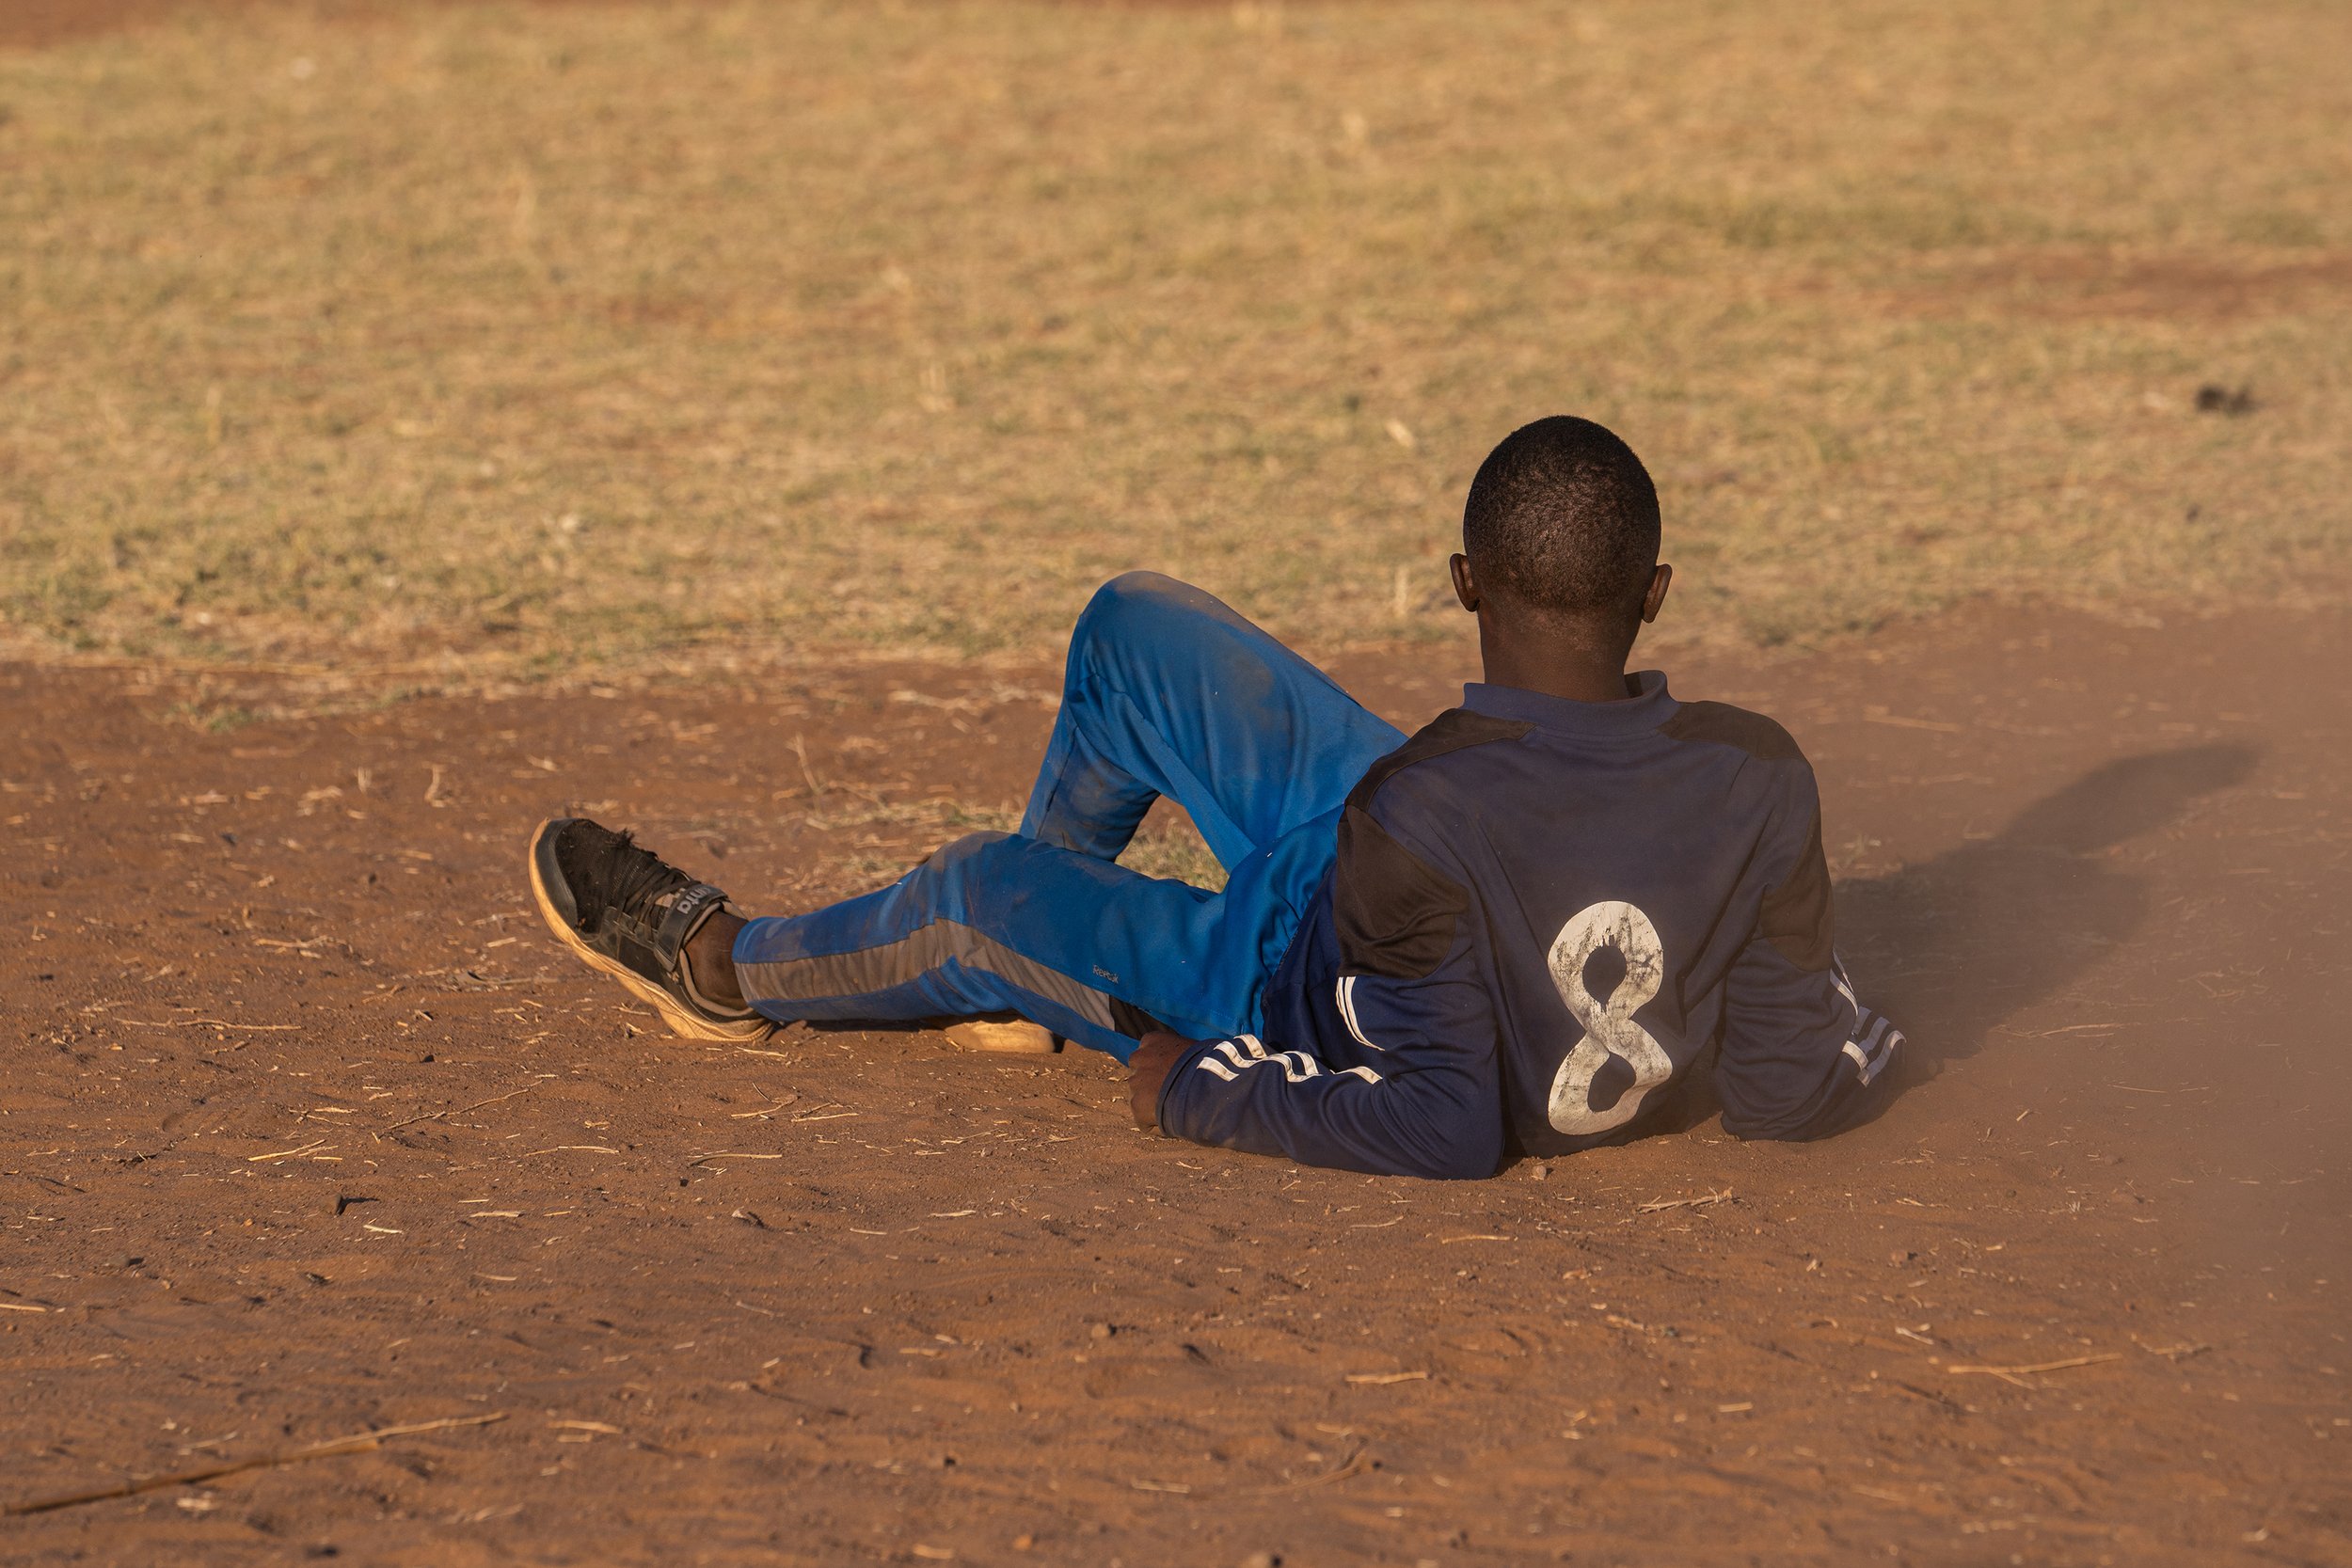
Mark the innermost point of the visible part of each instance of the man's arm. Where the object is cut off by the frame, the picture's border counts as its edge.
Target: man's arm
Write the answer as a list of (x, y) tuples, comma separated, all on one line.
[(1430, 1107), (1802, 1056), (1428, 1101)]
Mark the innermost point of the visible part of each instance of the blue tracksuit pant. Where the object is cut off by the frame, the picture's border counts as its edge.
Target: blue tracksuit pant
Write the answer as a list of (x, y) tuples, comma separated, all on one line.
[(1170, 692)]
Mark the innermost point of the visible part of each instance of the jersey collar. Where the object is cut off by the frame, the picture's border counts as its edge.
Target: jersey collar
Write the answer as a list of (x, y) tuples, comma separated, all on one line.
[(1651, 706)]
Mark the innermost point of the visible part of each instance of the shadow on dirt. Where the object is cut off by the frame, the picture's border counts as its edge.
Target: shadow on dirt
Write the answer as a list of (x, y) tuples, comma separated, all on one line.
[(1952, 946)]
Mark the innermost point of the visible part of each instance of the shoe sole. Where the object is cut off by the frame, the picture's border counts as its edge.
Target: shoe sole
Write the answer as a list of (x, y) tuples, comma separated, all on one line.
[(1002, 1039), (685, 1024)]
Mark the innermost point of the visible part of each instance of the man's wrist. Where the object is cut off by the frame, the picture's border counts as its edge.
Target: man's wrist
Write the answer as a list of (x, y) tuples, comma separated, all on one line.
[(1154, 1060)]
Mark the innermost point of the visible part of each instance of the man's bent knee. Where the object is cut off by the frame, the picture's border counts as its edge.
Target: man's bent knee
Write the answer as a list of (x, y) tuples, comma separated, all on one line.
[(1141, 605)]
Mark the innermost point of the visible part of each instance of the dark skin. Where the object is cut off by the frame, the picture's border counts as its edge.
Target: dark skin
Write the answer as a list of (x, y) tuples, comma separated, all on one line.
[(1580, 657), (710, 957)]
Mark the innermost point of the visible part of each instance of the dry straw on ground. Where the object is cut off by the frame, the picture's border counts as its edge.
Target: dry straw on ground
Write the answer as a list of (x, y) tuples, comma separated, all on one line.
[(466, 340)]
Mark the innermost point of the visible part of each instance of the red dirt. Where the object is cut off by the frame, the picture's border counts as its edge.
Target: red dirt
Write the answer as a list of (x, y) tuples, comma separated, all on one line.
[(309, 1129)]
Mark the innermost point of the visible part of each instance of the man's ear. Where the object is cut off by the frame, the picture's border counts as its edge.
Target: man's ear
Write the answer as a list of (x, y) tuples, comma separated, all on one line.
[(1464, 585), (1659, 582)]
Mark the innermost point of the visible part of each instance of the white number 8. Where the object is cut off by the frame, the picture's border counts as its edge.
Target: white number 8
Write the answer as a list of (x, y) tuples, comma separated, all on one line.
[(1610, 1031)]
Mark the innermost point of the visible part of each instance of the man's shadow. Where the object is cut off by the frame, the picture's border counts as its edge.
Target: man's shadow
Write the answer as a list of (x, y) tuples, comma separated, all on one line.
[(1951, 947)]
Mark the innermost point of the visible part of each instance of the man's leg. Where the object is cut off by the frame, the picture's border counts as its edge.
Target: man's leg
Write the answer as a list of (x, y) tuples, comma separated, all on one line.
[(1167, 691), (995, 921)]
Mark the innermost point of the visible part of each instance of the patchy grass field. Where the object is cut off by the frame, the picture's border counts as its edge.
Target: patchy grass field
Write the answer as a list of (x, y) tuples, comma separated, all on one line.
[(469, 341), (452, 346)]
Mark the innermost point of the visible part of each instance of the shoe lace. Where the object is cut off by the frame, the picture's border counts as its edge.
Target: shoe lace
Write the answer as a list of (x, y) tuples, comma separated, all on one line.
[(634, 877)]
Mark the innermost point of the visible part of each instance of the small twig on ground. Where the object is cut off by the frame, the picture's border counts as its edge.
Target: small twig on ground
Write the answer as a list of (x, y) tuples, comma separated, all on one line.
[(286, 1153), (1355, 1464), (1659, 1205), (1381, 1379), (458, 1110), (800, 750), (2181, 1352), (2016, 1374), (358, 1442)]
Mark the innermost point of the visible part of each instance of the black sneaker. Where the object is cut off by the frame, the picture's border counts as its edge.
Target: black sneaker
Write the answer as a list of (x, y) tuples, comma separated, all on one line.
[(630, 913)]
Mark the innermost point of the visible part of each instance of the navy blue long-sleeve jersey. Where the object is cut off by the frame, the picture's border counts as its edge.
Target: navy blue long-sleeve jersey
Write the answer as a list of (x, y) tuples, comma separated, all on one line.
[(1542, 912)]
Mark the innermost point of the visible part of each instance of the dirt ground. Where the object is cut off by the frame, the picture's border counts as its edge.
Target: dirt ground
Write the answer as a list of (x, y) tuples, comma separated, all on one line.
[(2098, 871)]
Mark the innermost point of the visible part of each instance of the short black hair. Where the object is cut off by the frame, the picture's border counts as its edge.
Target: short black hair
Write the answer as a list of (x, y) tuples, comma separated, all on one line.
[(1563, 517)]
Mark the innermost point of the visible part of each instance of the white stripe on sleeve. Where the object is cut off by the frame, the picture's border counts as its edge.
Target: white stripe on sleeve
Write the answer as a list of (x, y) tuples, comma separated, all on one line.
[(1243, 1052), (1344, 993), (1871, 1049)]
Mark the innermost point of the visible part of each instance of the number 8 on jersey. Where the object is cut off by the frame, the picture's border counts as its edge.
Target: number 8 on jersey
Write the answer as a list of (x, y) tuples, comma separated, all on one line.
[(1609, 1032)]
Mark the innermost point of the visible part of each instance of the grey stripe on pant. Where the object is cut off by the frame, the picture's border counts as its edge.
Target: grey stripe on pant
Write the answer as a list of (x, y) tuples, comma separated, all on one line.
[(895, 963)]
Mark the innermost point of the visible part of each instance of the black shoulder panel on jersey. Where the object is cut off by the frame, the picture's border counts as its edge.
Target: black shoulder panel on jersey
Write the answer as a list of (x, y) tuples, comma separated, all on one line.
[(1449, 731), (1798, 917), (1719, 722), (1394, 916)]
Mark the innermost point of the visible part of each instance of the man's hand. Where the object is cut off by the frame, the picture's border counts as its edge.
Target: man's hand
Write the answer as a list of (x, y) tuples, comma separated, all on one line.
[(1152, 1061)]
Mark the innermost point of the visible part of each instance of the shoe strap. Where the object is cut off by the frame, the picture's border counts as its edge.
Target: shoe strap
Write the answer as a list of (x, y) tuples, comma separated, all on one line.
[(688, 911), (697, 904)]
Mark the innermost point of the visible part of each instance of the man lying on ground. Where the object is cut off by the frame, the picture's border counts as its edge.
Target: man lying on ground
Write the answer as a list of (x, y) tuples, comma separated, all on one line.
[(1508, 934)]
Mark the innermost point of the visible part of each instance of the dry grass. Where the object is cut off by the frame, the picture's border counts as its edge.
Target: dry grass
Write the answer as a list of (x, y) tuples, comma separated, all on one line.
[(471, 339), (1168, 845)]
